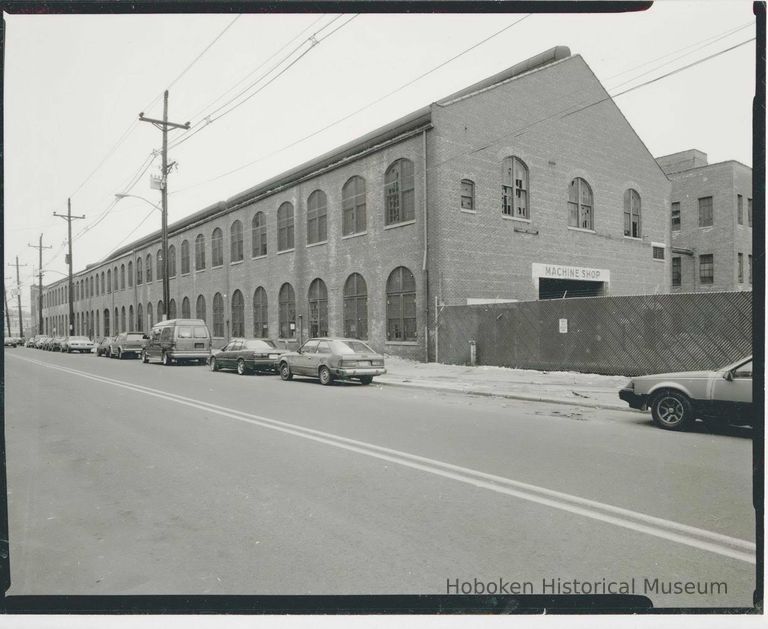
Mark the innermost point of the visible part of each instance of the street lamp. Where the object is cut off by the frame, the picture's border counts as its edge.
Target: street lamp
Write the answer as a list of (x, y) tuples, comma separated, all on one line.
[(166, 284)]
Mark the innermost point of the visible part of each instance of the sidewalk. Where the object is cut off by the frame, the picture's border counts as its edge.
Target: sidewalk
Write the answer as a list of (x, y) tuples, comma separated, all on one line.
[(561, 387)]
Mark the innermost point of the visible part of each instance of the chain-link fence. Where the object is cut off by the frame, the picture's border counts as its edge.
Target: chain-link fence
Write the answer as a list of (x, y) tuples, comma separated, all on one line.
[(609, 335)]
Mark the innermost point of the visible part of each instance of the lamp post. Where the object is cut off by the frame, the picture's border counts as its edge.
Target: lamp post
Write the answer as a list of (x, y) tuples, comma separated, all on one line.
[(164, 231)]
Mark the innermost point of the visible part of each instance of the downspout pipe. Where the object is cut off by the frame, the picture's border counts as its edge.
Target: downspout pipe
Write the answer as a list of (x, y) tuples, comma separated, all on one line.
[(425, 270)]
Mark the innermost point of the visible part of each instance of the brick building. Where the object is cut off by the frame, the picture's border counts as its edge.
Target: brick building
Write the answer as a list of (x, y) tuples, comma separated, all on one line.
[(529, 184), (711, 223)]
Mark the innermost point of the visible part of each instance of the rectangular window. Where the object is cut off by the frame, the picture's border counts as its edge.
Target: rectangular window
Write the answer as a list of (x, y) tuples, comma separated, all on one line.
[(707, 269), (705, 212), (507, 194), (677, 271), (741, 267), (749, 212), (740, 209), (467, 195), (658, 252), (676, 216)]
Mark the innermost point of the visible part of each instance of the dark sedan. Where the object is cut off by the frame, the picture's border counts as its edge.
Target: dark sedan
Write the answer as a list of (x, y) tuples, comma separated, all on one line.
[(247, 356)]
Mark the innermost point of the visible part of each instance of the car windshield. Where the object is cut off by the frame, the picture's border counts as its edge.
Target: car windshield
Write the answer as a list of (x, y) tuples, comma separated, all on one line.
[(351, 347), (259, 344)]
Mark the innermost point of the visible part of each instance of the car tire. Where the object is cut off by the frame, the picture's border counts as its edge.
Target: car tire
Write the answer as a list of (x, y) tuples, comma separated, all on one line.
[(366, 379), (167, 360), (242, 370), (672, 410), (285, 372), (213, 365), (326, 377), (144, 357), (119, 354)]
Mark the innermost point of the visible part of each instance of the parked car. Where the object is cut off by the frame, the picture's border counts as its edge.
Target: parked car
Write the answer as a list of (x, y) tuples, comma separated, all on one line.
[(102, 346), (41, 342), (31, 342), (677, 399), (57, 343), (77, 344), (10, 341), (330, 358), (178, 340), (247, 356), (128, 344)]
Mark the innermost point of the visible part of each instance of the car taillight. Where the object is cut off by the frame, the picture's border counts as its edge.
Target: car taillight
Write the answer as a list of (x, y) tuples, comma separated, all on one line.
[(377, 363)]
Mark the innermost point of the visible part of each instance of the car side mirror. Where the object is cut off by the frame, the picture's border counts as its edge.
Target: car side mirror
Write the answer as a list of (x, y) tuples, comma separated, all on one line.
[(728, 375)]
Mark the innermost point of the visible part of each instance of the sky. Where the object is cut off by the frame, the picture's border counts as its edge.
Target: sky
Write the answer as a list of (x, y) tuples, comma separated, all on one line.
[(75, 85)]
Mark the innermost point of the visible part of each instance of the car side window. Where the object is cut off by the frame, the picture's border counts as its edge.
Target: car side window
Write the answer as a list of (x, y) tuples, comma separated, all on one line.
[(185, 332), (745, 371), (310, 347), (324, 347), (166, 335), (235, 346)]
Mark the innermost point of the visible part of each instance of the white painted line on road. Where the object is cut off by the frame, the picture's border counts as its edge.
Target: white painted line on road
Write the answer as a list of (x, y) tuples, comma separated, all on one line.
[(735, 548)]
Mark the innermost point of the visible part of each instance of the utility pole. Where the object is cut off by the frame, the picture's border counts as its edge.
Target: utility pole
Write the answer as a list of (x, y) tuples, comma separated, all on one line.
[(7, 314), (18, 294), (164, 125), (69, 218), (40, 284)]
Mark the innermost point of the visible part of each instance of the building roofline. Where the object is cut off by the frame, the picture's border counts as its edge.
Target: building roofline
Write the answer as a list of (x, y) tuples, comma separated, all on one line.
[(726, 161)]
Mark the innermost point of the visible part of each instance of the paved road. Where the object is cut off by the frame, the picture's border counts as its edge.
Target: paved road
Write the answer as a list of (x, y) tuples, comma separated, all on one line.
[(127, 478)]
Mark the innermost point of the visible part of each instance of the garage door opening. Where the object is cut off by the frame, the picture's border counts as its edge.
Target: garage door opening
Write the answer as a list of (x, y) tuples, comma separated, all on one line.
[(565, 289)]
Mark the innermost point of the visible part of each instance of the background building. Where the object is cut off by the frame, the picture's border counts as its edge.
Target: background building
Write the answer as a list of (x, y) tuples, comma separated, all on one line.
[(711, 223), (528, 185)]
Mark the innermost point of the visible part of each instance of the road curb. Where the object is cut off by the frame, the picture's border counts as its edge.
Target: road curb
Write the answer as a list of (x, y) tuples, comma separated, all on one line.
[(510, 396)]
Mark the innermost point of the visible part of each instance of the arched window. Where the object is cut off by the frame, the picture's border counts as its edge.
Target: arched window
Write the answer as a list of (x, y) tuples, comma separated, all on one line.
[(91, 291), (172, 309), (130, 274), (148, 269), (160, 310), (130, 318), (398, 192), (159, 267), (355, 307), (217, 248), (139, 318), (122, 277), (172, 261), (632, 213), (401, 305), (285, 227), (318, 308), (514, 188), (109, 281), (238, 314), (199, 252), (287, 311), (97, 324), (116, 321), (260, 320), (122, 319), (236, 242), (106, 322), (114, 275), (259, 235), (200, 308), (353, 206), (185, 257), (218, 315), (150, 320), (580, 209), (139, 279), (317, 217), (186, 313)]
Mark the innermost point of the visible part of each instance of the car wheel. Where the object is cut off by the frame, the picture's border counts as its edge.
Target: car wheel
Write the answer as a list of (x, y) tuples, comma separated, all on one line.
[(672, 410), (213, 364), (285, 372), (167, 360), (144, 357), (241, 368), (325, 375), (366, 379), (119, 354)]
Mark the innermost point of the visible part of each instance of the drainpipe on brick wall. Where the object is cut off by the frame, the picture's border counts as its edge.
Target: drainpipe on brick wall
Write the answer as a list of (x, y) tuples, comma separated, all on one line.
[(425, 271)]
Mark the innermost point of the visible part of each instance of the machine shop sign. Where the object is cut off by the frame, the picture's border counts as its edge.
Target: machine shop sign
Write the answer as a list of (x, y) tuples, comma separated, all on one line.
[(560, 272)]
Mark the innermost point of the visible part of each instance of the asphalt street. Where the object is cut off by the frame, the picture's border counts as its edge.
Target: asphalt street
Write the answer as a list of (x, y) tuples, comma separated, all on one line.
[(126, 478)]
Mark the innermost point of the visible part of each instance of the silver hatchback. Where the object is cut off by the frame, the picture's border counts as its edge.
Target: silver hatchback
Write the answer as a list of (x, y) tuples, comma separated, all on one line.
[(331, 358)]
